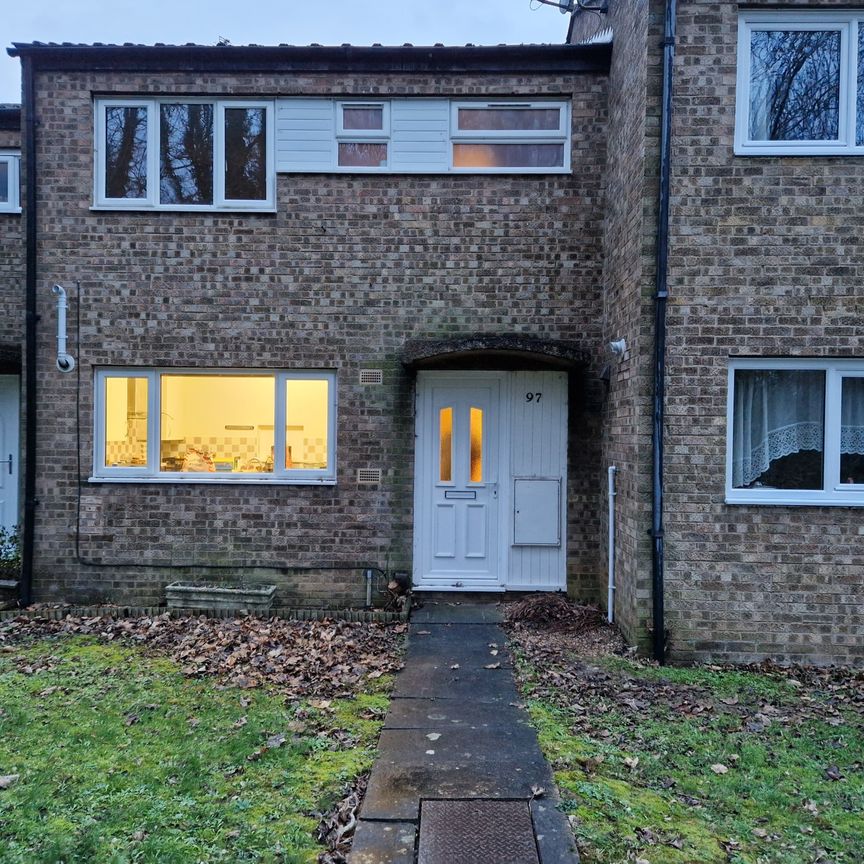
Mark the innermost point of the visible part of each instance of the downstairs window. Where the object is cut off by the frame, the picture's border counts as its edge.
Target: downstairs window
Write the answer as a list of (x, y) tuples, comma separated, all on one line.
[(796, 432), (215, 425)]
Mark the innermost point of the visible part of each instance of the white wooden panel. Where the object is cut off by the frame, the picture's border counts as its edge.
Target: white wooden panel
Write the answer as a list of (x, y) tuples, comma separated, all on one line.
[(9, 446), (420, 135), (537, 512), (538, 451), (475, 523), (445, 531), (305, 135)]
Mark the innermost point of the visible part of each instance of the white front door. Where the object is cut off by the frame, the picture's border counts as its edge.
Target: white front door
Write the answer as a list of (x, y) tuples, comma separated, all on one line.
[(9, 451), (456, 495)]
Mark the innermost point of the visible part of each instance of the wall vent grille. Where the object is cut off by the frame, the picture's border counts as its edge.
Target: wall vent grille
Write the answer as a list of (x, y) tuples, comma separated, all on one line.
[(368, 475), (371, 376)]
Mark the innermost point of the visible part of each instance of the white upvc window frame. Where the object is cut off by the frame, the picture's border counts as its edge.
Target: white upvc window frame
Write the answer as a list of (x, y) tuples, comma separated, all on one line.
[(151, 201), (847, 24), (363, 136), (151, 473), (511, 136), (12, 158), (832, 493)]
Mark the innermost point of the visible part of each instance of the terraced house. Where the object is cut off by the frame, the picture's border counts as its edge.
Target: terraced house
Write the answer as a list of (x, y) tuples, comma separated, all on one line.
[(520, 318)]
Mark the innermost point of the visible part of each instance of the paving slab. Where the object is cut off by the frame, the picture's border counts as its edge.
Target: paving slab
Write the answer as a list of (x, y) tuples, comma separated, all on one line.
[(383, 843), (413, 713), (457, 613), (428, 680)]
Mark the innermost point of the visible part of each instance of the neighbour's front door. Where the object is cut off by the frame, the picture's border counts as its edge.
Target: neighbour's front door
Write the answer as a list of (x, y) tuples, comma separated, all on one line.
[(456, 496), (8, 451)]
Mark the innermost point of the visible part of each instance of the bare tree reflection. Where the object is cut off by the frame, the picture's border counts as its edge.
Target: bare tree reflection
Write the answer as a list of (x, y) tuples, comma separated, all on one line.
[(795, 85), (125, 152), (186, 154), (245, 163)]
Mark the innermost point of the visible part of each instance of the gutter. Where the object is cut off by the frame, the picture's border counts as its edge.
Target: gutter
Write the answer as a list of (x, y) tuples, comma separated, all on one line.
[(660, 302), (26, 587)]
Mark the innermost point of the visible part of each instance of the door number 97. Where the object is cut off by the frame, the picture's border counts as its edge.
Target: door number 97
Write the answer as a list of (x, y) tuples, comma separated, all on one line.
[(533, 397)]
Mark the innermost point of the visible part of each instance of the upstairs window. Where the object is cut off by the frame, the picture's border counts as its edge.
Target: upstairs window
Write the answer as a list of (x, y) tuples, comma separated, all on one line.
[(9, 183), (509, 136), (796, 432), (184, 154), (362, 134), (800, 83)]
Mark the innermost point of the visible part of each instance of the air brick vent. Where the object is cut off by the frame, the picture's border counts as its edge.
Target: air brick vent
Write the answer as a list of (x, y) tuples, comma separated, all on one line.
[(371, 376), (368, 475)]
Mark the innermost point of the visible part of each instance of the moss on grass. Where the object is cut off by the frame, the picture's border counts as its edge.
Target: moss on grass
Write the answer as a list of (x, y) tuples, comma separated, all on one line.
[(121, 758)]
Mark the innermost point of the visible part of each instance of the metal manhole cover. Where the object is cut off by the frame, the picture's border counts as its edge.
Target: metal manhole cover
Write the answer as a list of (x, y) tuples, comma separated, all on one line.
[(476, 832)]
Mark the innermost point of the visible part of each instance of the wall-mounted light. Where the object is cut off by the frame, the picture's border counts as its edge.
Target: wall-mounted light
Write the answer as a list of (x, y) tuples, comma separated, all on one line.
[(65, 362), (618, 348)]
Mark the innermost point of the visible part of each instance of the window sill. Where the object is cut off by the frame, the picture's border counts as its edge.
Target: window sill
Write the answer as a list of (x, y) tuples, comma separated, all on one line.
[(218, 481), (10, 211), (792, 501), (189, 208)]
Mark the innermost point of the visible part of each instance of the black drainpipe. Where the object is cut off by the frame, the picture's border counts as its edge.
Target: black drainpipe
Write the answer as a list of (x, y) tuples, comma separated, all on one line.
[(26, 587), (660, 298)]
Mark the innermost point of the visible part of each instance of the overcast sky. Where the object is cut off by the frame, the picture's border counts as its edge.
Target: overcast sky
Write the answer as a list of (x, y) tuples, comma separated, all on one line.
[(269, 22)]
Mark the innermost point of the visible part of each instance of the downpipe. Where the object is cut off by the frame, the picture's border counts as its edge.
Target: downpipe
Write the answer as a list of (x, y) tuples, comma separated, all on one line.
[(612, 494)]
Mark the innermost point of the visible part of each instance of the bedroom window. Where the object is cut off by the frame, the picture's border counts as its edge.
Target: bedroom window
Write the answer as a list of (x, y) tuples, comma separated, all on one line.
[(9, 183), (215, 426), (800, 83), (509, 136), (184, 154), (796, 432)]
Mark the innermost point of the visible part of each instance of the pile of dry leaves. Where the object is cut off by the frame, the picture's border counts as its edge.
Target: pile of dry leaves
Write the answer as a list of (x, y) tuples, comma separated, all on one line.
[(549, 609), (320, 659)]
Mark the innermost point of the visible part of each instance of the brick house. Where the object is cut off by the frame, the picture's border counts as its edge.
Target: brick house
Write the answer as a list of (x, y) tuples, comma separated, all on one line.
[(334, 309)]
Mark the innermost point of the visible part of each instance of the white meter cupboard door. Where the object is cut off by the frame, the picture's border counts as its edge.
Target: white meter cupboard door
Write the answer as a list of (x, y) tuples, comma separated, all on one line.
[(9, 451), (457, 493)]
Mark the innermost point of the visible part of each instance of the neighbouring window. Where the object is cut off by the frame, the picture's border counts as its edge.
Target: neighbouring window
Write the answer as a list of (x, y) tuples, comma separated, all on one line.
[(215, 425), (529, 136), (184, 154), (796, 431), (800, 83), (363, 133), (9, 184)]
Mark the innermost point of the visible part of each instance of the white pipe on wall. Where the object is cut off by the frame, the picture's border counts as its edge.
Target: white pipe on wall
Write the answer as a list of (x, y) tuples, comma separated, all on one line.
[(65, 362), (610, 600)]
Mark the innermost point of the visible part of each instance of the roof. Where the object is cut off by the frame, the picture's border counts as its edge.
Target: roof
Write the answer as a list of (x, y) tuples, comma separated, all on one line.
[(406, 58), (10, 117)]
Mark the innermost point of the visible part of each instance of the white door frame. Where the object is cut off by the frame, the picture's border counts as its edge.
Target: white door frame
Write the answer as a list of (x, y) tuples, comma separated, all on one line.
[(10, 419)]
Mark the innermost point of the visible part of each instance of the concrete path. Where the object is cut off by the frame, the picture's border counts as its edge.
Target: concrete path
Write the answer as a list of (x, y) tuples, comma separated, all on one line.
[(460, 778)]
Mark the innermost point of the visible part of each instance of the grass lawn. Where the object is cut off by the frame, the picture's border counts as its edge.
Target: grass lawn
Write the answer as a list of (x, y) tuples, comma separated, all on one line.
[(701, 764), (122, 758)]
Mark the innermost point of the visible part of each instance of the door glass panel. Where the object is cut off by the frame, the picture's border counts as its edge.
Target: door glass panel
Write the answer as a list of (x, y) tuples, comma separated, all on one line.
[(125, 422), (445, 445), (476, 445), (852, 431)]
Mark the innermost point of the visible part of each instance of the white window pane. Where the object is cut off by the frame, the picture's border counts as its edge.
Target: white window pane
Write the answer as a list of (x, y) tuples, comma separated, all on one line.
[(4, 182), (363, 117), (362, 155), (508, 155), (778, 429), (795, 85), (509, 119), (217, 423), (125, 422), (125, 152), (307, 419), (852, 431), (246, 154), (186, 154)]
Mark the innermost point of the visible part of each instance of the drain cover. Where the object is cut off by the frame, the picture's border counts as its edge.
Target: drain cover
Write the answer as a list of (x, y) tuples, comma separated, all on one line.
[(476, 832)]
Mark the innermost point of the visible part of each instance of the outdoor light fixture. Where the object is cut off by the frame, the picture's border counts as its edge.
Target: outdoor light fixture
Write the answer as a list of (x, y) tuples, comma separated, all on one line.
[(65, 362), (618, 348)]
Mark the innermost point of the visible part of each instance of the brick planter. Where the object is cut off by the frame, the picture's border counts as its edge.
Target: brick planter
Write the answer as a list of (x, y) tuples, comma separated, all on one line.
[(240, 598)]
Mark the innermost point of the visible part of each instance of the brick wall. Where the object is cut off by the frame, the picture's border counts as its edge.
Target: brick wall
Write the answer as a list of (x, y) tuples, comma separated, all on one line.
[(766, 260), (347, 270)]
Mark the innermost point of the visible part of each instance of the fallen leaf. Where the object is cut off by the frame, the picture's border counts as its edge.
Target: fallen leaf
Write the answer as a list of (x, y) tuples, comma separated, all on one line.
[(832, 772), (240, 723), (537, 791), (492, 666), (718, 768), (455, 666), (7, 780), (631, 761)]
